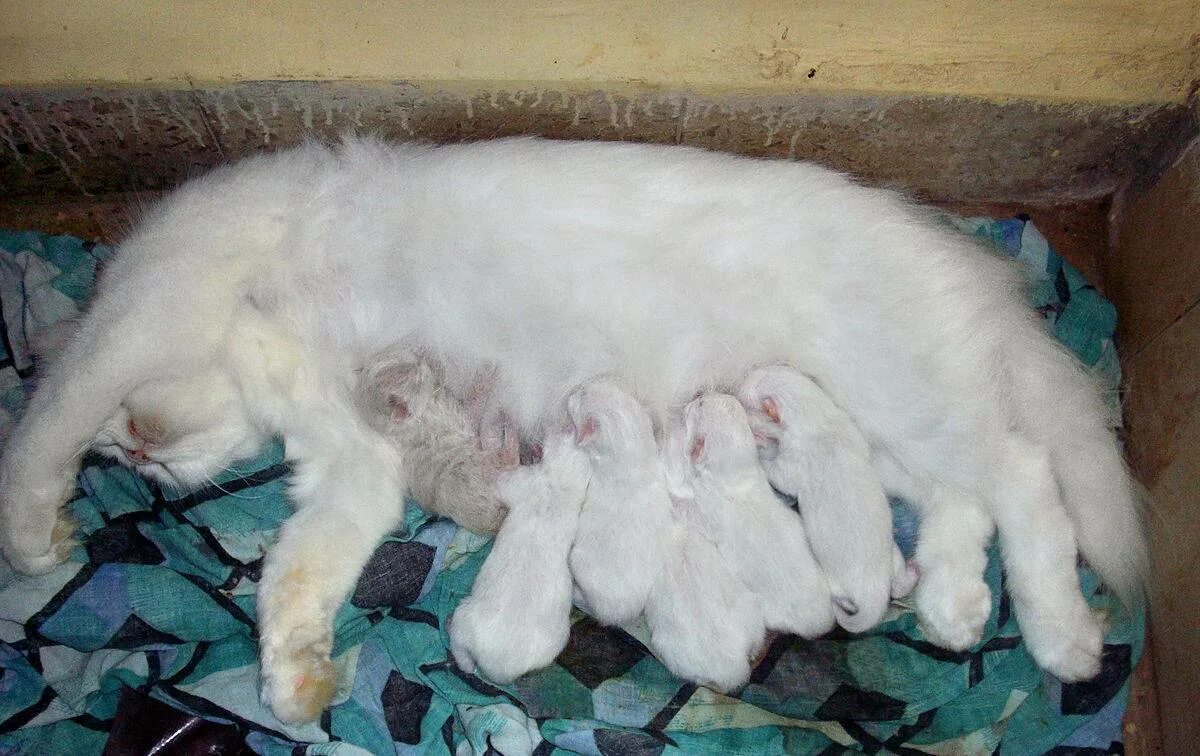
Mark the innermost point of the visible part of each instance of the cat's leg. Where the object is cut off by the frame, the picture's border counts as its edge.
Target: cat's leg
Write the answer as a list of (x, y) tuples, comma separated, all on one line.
[(348, 492), (1038, 546), (952, 600)]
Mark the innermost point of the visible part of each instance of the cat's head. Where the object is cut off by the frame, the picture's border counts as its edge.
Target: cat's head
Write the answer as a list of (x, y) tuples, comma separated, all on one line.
[(181, 431), (611, 426), (717, 438)]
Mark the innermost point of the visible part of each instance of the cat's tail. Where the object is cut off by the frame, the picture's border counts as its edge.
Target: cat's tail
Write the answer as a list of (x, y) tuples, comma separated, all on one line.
[(1060, 406)]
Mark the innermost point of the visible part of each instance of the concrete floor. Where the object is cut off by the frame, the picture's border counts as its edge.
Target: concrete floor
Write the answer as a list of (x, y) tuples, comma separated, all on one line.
[(1078, 232)]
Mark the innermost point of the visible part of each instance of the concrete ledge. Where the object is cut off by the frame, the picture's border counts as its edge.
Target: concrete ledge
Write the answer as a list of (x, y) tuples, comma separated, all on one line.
[(97, 140)]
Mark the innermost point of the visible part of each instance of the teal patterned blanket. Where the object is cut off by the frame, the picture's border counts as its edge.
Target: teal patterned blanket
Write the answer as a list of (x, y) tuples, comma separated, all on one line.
[(160, 598)]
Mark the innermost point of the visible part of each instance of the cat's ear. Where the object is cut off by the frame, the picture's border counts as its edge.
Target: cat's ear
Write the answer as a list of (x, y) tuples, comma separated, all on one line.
[(696, 451), (770, 408), (399, 409), (586, 430)]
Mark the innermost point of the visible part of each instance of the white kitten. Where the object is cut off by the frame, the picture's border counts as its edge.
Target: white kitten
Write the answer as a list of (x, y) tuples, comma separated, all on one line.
[(517, 617), (761, 540), (814, 451), (403, 397), (619, 545), (670, 268), (705, 625)]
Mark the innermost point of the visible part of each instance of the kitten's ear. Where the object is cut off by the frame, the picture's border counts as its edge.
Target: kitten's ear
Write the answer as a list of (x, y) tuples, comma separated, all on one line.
[(586, 430), (697, 449), (399, 409), (770, 408)]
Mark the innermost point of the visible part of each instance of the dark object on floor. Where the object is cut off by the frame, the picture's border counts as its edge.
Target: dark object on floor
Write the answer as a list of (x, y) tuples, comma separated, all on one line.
[(145, 726)]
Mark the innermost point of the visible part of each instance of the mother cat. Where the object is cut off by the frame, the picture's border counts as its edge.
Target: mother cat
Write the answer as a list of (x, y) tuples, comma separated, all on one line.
[(242, 305)]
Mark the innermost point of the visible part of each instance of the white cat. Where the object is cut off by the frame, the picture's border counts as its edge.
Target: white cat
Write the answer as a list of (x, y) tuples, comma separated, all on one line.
[(813, 451), (448, 472), (620, 544), (673, 269), (762, 542), (517, 617)]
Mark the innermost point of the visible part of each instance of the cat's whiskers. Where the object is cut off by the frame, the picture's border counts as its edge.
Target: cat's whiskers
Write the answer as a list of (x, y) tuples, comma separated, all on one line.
[(227, 492)]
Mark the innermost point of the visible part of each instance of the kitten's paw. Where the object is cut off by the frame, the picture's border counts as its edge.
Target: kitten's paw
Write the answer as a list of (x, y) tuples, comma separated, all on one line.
[(1067, 644), (35, 530), (298, 685), (952, 609)]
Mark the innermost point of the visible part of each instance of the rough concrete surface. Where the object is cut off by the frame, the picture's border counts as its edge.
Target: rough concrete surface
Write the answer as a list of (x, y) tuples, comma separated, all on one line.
[(99, 140)]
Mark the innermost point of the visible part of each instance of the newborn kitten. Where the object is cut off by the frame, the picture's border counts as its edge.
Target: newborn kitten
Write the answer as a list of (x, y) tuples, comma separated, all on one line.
[(403, 397), (517, 617), (813, 451), (762, 541), (618, 551), (705, 626)]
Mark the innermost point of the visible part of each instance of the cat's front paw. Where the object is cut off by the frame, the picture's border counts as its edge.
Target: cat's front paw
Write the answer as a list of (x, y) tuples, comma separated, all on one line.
[(298, 684), (35, 530), (1067, 642), (952, 608), (296, 636)]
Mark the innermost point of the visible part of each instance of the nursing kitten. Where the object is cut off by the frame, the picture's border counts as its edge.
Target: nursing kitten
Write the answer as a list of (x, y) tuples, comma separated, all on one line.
[(619, 544), (403, 397), (670, 268), (517, 617), (758, 537), (814, 452), (705, 624)]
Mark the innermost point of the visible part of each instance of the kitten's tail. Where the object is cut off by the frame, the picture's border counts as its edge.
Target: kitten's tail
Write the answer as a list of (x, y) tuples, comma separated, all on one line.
[(1060, 406)]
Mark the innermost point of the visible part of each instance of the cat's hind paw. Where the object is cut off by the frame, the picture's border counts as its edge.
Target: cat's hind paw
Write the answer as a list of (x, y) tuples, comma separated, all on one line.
[(952, 609), (1068, 646)]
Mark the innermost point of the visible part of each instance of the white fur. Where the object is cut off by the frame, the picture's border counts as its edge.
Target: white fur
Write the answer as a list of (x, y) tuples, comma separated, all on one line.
[(448, 472), (517, 617), (621, 540), (673, 269), (761, 540), (815, 453), (705, 625)]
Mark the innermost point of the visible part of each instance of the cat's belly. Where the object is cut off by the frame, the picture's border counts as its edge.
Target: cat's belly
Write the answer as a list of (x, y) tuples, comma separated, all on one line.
[(664, 348)]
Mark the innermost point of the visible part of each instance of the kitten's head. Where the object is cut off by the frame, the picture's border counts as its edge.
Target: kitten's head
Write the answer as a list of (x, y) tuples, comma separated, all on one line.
[(611, 425), (772, 397), (395, 386), (717, 438), (181, 431)]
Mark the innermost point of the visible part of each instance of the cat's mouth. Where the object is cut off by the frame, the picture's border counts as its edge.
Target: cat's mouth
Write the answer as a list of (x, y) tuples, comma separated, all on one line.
[(137, 456)]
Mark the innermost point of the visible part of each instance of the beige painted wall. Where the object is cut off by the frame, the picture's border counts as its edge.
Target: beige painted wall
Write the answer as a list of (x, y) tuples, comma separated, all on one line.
[(1091, 50)]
